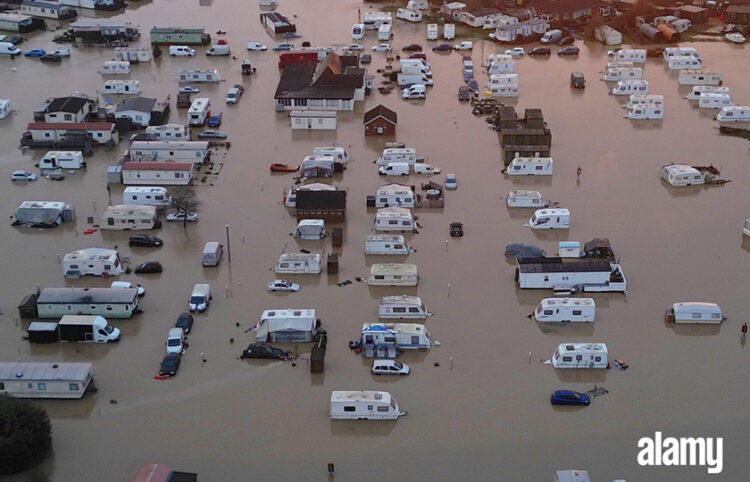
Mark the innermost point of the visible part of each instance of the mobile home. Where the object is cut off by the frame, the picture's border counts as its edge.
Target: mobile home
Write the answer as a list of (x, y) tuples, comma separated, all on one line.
[(526, 199), (408, 15), (631, 55), (394, 195), (593, 274), (393, 274), (199, 112), (299, 263), (699, 77), (552, 310), (628, 87), (530, 166), (432, 31), (146, 196), (158, 173), (694, 312), (107, 302), (402, 307), (115, 67), (133, 55), (121, 87), (398, 154), (550, 219), (129, 217), (648, 111), (310, 229), (638, 100), (684, 62), (384, 32), (714, 101), (53, 10), (169, 132), (313, 120), (180, 151), (394, 219), (682, 175), (623, 73), (45, 379), (392, 244), (580, 355), (363, 405), (287, 326), (408, 336), (185, 76), (92, 261), (737, 113), (695, 94), (505, 66), (373, 20), (62, 160), (670, 52), (449, 31), (5, 108), (178, 35)]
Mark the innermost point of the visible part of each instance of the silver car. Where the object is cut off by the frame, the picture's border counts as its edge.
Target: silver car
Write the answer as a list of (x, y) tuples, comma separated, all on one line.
[(282, 285)]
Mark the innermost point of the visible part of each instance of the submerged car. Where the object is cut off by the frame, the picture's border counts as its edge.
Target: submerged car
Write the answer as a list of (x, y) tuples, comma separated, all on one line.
[(457, 229), (516, 52), (257, 46), (355, 47), (22, 176), (209, 134), (282, 285), (189, 89), (182, 216), (365, 59), (291, 35), (464, 94), (566, 41), (35, 53), (382, 48), (571, 50), (450, 181), (149, 267), (389, 367), (184, 321), (442, 48), (412, 48), (569, 397), (214, 120), (145, 240), (51, 58), (262, 350), (540, 51), (473, 85), (284, 46), (169, 365)]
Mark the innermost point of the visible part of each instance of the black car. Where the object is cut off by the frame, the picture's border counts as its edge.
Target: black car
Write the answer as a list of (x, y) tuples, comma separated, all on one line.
[(51, 58), (184, 321), (365, 59), (568, 51), (442, 48), (149, 267), (566, 40), (457, 229), (540, 51), (464, 94), (169, 365), (262, 350), (412, 48), (145, 240)]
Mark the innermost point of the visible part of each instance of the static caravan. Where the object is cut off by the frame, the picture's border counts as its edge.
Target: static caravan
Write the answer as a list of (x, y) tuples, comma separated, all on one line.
[(530, 166), (623, 73), (714, 101), (631, 55), (5, 108), (393, 274), (146, 196), (180, 151), (133, 55), (384, 32), (552, 310), (432, 31), (580, 355), (408, 336), (129, 217), (402, 307), (199, 112), (287, 326), (557, 218), (682, 175), (593, 274), (526, 199), (398, 154), (363, 405), (737, 113), (503, 79), (670, 52), (45, 379), (501, 58), (107, 302), (700, 77), (695, 94), (169, 132), (408, 15), (62, 160), (185, 76), (310, 229), (501, 66), (93, 262), (121, 87), (42, 214), (298, 263), (694, 312), (638, 100), (115, 67), (394, 219), (313, 120), (648, 111), (684, 62), (373, 20), (628, 87), (157, 173), (503, 90), (394, 195), (392, 244)]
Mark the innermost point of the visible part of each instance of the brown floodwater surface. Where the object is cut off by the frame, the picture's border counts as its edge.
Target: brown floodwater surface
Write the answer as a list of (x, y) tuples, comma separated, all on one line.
[(478, 404)]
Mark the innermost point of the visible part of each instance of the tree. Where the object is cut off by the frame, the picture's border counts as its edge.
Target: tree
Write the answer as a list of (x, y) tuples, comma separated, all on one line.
[(25, 435), (184, 201)]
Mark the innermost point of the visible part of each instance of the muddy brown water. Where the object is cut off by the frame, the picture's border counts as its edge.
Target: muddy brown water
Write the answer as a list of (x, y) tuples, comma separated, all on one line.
[(486, 413)]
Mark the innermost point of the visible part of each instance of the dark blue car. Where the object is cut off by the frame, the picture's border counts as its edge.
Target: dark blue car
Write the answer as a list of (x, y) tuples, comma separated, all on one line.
[(214, 120), (569, 397)]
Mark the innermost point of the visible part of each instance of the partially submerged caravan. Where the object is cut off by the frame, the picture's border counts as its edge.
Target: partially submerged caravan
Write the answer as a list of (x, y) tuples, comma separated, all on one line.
[(580, 355), (92, 261), (526, 199), (115, 67), (338, 154), (670, 52), (169, 132), (504, 66), (129, 216), (288, 326), (567, 274), (310, 229), (121, 87), (398, 154), (694, 312), (680, 62), (628, 87), (736, 113), (700, 77), (623, 73), (640, 100), (714, 101), (393, 244), (42, 214), (198, 76), (530, 166), (62, 160), (647, 111), (394, 219), (631, 55), (108, 302), (409, 15), (199, 111), (682, 175), (299, 263), (504, 90), (407, 336), (402, 307), (695, 94), (557, 218), (394, 195), (364, 405), (146, 196), (45, 379), (565, 310), (393, 274)]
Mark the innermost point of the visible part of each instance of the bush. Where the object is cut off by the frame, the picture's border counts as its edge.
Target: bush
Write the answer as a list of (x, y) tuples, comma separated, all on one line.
[(25, 435)]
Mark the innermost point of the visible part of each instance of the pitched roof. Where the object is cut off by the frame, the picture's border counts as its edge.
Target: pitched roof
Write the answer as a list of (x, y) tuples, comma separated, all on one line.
[(157, 166), (381, 111), (563, 6), (140, 104), (336, 77), (68, 104)]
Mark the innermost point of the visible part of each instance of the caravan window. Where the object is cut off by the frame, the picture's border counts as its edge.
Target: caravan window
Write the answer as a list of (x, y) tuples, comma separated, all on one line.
[(109, 308), (73, 387), (382, 409), (399, 310), (393, 221), (2, 386), (598, 358), (415, 340), (567, 358), (413, 310), (538, 168), (41, 386), (696, 315), (579, 357), (389, 339), (576, 312), (349, 409), (547, 312), (69, 307), (369, 407)]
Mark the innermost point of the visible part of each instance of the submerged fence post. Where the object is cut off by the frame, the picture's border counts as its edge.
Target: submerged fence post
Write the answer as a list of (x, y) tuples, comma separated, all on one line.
[(229, 249)]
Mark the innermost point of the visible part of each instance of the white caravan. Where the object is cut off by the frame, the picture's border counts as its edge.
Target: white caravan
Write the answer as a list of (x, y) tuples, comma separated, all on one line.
[(670, 52), (298, 263), (569, 249), (449, 31), (125, 217), (631, 55), (199, 112), (388, 244), (62, 160), (695, 94), (358, 31), (402, 307), (638, 100), (409, 15), (700, 77), (394, 195), (184, 76), (373, 20), (550, 219), (432, 31), (408, 336), (614, 64), (504, 90), (288, 326), (115, 67), (93, 262), (552, 310), (169, 132), (418, 5), (628, 87), (530, 166), (121, 87), (694, 312), (526, 199), (45, 379), (394, 219), (384, 32), (714, 101), (338, 153), (648, 111), (623, 73), (146, 196), (682, 175), (736, 113), (310, 229), (497, 58), (501, 66), (580, 355), (393, 274), (5, 108), (398, 154), (684, 62), (503, 79), (363, 405)]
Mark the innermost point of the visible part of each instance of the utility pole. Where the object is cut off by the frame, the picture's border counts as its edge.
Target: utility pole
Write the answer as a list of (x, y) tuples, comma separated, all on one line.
[(229, 249)]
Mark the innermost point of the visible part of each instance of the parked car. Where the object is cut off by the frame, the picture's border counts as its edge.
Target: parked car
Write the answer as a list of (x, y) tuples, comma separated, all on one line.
[(291, 35), (418, 55), (465, 45), (442, 48), (51, 58), (473, 85), (355, 47), (214, 120), (62, 52), (516, 52), (450, 181), (127, 285), (175, 341), (180, 216), (464, 94), (189, 89), (577, 80), (169, 365), (234, 94), (22, 176), (145, 240), (184, 321), (365, 59), (540, 51), (457, 229), (570, 50), (569, 397), (284, 46), (412, 48), (262, 350), (211, 135), (382, 48), (149, 267), (34, 53), (567, 40), (282, 285), (256, 46), (389, 367)]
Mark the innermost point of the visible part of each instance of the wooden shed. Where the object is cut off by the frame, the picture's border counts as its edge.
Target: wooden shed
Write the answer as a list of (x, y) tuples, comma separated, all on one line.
[(380, 120)]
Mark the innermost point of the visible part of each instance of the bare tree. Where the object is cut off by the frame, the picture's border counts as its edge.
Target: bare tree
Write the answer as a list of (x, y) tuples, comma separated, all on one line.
[(184, 201)]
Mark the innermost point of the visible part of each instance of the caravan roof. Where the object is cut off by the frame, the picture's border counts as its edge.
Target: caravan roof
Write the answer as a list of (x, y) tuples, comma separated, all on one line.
[(360, 396), (91, 254), (389, 300), (45, 371), (404, 268), (393, 212), (87, 295)]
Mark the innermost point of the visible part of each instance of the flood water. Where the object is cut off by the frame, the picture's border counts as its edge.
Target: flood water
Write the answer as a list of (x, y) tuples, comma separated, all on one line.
[(478, 404)]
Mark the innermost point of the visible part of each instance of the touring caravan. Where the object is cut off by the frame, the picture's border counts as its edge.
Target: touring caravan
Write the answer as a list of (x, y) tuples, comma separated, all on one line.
[(631, 55), (389, 244), (449, 31), (615, 64), (310, 229), (384, 32), (623, 73), (146, 196), (62, 160), (628, 87), (432, 31), (115, 67), (682, 175), (550, 219), (298, 263), (338, 153), (184, 76), (408, 15), (394, 219), (526, 199), (737, 113), (695, 94), (530, 166), (670, 52), (358, 31), (398, 154), (699, 77), (393, 274), (373, 20), (93, 262), (683, 62), (394, 195), (5, 108), (501, 66), (648, 111), (714, 101), (694, 312), (503, 90), (402, 307), (127, 217), (638, 100), (407, 336), (199, 112), (501, 58), (552, 310), (580, 355), (418, 5), (287, 326), (133, 54), (169, 132), (503, 79), (121, 87), (363, 405), (45, 379)]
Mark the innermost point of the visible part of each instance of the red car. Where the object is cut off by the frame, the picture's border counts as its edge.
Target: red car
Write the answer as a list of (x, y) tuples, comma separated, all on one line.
[(418, 55)]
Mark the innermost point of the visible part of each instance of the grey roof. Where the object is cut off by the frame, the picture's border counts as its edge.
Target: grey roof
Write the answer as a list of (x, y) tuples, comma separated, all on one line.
[(45, 371), (87, 295), (139, 104), (68, 104), (336, 77), (560, 265), (50, 5)]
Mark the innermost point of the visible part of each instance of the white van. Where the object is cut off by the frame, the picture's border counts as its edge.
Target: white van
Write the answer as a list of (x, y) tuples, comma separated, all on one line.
[(233, 95), (736, 113), (631, 55), (394, 219), (5, 108), (623, 73), (682, 175), (62, 160), (146, 196), (550, 219), (358, 31), (199, 112), (212, 253), (169, 132), (218, 50), (384, 32), (402, 306), (181, 51), (714, 101), (526, 199), (394, 169), (695, 94), (551, 36), (405, 79), (552, 310), (7, 48), (694, 312), (398, 154), (432, 31), (683, 62), (200, 298), (363, 405), (389, 244), (628, 87), (530, 166), (580, 355), (417, 91), (115, 67)]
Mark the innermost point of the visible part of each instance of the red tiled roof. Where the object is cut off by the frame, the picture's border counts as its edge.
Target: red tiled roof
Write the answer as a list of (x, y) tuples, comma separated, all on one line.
[(158, 166), (90, 126)]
